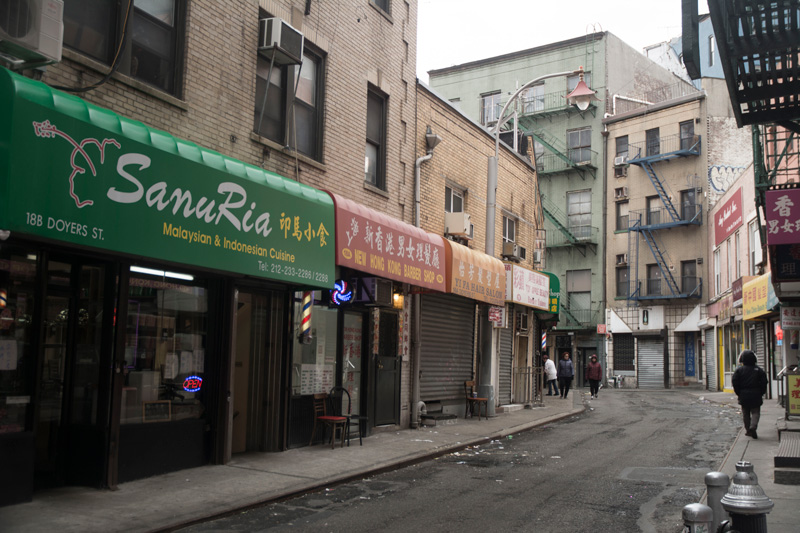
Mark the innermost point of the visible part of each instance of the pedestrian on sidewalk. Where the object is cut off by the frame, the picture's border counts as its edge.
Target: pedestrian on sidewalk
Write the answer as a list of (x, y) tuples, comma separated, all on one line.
[(750, 384), (565, 374), (550, 375), (594, 373)]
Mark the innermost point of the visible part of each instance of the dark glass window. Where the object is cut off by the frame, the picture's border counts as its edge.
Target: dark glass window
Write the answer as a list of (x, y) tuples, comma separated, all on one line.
[(653, 142), (622, 146), (153, 30), (623, 352), (687, 134), (622, 281), (375, 157)]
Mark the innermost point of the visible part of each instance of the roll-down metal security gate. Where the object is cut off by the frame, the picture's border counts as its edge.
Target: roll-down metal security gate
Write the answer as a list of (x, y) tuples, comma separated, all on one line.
[(711, 359), (506, 365), (651, 363), (447, 340), (761, 345)]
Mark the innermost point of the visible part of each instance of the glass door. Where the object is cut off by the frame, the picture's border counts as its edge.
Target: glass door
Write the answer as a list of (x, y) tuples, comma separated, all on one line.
[(77, 331)]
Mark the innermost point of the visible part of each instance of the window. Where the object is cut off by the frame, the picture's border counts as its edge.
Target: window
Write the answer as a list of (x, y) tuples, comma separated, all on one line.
[(624, 353), (653, 142), (712, 48), (384, 5), (490, 108), (654, 208), (622, 216), (453, 200), (653, 280), (689, 208), (754, 245), (622, 146), (579, 295), (579, 145), (717, 273), (154, 37), (737, 262), (579, 213), (688, 276), (509, 229), (375, 159), (622, 282), (165, 340), (572, 81), (533, 99), (687, 135), (274, 104), (538, 153)]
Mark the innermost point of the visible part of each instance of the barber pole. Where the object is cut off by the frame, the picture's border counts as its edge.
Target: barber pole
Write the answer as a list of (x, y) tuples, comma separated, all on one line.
[(305, 325), (3, 298), (544, 340)]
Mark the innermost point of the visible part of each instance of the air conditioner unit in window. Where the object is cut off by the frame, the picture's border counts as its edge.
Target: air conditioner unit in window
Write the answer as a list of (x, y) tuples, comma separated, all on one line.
[(31, 32), (620, 160), (622, 259), (373, 291), (620, 172), (513, 251), (279, 40), (537, 256), (621, 192), (458, 224)]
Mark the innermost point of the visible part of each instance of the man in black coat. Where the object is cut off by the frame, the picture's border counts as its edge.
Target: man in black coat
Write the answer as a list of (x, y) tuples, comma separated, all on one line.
[(750, 384)]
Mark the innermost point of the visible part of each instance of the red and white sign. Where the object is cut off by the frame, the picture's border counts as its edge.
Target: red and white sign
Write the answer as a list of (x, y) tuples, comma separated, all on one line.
[(601, 329), (527, 287), (728, 218), (782, 211), (790, 317)]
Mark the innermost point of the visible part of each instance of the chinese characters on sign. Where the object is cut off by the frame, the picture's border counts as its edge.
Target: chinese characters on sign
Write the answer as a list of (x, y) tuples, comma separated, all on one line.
[(790, 317), (782, 212), (793, 393), (474, 274), (527, 287)]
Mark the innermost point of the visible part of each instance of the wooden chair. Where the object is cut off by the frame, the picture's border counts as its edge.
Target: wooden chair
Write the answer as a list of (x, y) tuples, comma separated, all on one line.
[(472, 399), (337, 394), (333, 421)]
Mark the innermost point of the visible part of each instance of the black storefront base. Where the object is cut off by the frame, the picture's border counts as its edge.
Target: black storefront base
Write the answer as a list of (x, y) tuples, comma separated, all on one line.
[(160, 447), (16, 464)]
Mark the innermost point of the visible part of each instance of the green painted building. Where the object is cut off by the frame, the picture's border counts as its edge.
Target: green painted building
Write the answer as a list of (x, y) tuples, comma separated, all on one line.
[(569, 147)]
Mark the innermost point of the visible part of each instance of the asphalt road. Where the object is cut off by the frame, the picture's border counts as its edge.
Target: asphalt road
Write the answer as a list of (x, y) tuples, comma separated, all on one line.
[(630, 463)]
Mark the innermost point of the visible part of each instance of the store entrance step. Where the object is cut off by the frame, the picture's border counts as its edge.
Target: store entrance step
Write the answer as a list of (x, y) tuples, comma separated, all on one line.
[(438, 419), (788, 455)]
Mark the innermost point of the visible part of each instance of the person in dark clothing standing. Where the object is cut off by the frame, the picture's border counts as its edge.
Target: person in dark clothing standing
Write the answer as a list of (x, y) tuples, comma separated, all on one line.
[(594, 373), (565, 374), (750, 384)]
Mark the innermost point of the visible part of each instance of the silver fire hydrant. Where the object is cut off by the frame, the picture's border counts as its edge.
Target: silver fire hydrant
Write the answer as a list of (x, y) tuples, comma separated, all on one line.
[(746, 502)]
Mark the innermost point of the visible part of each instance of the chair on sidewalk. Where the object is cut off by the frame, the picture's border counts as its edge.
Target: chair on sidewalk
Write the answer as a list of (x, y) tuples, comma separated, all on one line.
[(337, 394), (321, 416), (472, 398)]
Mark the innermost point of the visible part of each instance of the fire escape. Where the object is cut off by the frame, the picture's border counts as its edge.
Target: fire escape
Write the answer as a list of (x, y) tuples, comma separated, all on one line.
[(644, 226)]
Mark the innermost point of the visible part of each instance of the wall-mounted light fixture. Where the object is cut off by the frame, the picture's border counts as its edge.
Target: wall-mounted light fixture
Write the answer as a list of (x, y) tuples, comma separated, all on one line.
[(397, 300)]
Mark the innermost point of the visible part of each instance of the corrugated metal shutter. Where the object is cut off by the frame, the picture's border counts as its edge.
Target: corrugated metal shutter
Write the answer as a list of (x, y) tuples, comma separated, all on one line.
[(506, 363), (651, 363), (711, 359), (447, 340), (761, 345)]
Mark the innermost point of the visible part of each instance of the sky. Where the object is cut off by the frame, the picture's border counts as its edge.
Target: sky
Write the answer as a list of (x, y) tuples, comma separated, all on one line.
[(452, 32)]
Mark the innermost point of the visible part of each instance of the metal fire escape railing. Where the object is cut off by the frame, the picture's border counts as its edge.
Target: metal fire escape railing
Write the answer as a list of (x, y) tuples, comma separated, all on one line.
[(660, 288), (565, 235)]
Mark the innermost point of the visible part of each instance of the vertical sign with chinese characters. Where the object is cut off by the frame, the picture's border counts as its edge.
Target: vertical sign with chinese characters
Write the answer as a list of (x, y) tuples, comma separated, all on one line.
[(689, 360), (782, 211), (793, 394)]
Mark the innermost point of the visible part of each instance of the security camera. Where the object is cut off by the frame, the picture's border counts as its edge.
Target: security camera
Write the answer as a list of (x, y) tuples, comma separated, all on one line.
[(4, 234)]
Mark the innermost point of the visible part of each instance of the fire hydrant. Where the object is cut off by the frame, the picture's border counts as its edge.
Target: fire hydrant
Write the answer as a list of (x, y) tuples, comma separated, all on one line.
[(697, 518), (746, 502)]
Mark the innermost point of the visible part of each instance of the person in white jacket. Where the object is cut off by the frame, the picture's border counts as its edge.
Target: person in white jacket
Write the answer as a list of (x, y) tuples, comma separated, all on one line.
[(550, 375)]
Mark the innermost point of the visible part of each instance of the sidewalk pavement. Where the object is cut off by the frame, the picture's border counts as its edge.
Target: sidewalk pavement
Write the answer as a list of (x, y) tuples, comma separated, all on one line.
[(173, 500)]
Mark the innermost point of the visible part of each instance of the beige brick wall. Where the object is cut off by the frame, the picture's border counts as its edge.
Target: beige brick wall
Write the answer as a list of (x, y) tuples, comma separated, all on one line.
[(461, 161)]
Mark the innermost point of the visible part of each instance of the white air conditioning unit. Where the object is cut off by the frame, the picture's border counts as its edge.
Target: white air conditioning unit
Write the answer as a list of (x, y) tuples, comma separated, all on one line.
[(458, 224), (622, 259), (621, 192), (31, 32), (373, 291), (621, 172), (620, 160), (279, 40), (537, 256), (522, 321), (513, 251)]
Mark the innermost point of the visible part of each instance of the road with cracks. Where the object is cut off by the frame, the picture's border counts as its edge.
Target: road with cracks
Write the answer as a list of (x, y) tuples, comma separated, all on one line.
[(630, 463)]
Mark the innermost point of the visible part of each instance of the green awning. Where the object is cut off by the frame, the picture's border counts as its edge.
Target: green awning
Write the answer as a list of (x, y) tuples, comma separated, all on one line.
[(78, 173)]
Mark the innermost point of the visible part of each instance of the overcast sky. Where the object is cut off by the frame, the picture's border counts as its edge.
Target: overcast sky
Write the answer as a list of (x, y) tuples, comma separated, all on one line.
[(451, 32)]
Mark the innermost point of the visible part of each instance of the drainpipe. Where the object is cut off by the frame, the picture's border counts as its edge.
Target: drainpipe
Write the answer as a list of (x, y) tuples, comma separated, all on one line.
[(416, 356), (626, 98)]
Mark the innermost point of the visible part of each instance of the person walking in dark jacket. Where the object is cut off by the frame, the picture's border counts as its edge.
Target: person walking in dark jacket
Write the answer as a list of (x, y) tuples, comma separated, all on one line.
[(750, 384), (565, 374), (594, 373)]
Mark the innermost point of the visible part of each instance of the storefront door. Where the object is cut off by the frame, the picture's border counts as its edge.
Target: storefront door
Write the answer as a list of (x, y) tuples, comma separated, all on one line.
[(77, 330), (387, 372), (257, 342)]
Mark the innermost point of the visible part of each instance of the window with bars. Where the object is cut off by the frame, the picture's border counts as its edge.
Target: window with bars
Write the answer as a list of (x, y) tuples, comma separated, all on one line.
[(624, 353)]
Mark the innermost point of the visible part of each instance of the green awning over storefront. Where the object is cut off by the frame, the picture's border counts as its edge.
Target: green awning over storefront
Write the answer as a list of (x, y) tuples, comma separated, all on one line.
[(81, 174)]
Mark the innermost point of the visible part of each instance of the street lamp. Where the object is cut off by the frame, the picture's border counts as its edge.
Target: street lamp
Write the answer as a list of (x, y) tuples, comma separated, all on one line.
[(580, 97)]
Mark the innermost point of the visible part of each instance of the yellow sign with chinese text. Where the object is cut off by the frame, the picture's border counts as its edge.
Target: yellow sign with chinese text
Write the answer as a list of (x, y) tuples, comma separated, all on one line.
[(793, 395)]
